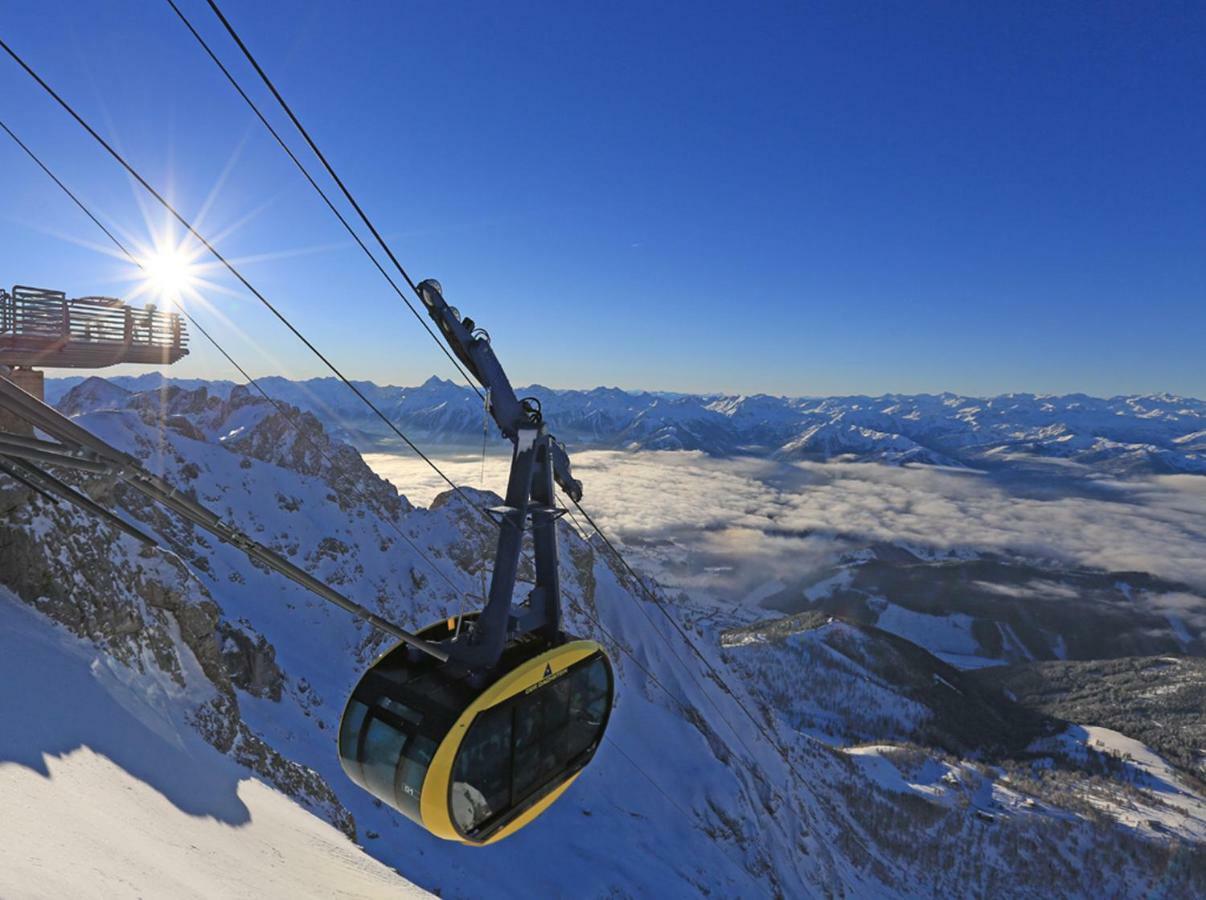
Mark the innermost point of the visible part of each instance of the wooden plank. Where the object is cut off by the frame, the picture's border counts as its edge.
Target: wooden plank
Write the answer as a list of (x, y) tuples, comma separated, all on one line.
[(59, 353)]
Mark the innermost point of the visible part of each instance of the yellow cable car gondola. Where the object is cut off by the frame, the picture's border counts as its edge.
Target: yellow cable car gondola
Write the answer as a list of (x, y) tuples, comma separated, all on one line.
[(477, 742), (470, 763)]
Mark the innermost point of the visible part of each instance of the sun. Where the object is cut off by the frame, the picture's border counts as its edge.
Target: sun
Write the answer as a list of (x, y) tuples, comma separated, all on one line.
[(169, 272)]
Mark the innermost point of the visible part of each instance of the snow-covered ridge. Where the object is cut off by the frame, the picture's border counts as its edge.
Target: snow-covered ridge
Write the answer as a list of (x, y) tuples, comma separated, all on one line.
[(965, 757), (1149, 433)]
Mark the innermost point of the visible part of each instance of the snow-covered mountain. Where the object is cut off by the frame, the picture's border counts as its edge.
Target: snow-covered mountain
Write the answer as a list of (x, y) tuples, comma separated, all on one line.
[(1130, 434), (988, 797), (242, 675)]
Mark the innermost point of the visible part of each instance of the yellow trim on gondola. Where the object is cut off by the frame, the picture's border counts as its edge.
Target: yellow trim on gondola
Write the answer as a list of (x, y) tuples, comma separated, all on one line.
[(433, 802)]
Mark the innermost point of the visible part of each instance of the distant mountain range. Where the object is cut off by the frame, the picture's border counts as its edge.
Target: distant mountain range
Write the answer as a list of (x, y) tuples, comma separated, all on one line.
[(1147, 434)]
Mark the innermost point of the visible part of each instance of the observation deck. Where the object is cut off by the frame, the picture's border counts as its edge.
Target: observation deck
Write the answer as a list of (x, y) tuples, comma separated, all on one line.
[(46, 329)]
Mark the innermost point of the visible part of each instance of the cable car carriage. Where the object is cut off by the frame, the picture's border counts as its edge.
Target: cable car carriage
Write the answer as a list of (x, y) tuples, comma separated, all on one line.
[(476, 764), (475, 747)]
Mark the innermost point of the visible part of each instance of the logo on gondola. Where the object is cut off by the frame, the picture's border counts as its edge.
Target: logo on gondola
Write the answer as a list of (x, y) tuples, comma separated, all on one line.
[(547, 676)]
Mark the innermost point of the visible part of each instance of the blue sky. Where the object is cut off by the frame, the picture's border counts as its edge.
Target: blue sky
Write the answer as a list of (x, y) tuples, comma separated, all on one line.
[(790, 198)]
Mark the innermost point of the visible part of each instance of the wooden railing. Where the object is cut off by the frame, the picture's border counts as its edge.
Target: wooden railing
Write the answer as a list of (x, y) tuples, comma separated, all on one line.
[(36, 313)]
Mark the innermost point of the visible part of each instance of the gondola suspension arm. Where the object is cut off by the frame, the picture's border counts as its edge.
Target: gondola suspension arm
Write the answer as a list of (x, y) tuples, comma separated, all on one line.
[(537, 461)]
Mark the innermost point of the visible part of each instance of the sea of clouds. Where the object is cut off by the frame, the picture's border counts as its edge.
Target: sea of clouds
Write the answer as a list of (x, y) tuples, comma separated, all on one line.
[(730, 525)]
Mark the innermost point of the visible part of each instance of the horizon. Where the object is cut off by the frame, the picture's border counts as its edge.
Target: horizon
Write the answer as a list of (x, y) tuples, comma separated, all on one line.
[(657, 392), (975, 201)]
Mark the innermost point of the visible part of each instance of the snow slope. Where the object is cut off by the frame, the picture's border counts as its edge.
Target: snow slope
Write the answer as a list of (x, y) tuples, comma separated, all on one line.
[(106, 793)]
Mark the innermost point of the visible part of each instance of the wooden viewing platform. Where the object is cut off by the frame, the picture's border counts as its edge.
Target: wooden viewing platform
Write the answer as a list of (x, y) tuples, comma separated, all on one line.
[(43, 328)]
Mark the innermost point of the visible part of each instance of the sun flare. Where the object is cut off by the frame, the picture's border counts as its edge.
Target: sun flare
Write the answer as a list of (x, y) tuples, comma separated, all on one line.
[(169, 273)]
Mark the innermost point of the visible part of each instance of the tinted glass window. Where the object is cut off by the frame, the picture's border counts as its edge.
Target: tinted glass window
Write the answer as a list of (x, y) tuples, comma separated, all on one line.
[(419, 751), (516, 750), (541, 719), (382, 749), (401, 710), (587, 707), (594, 678), (349, 735), (481, 785), (387, 749), (596, 709), (556, 723)]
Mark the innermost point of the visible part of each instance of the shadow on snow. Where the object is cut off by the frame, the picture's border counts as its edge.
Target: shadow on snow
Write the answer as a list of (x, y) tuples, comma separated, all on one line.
[(54, 703)]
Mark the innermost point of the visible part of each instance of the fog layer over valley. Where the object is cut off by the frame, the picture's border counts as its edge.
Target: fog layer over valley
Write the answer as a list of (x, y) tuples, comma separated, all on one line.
[(743, 529)]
